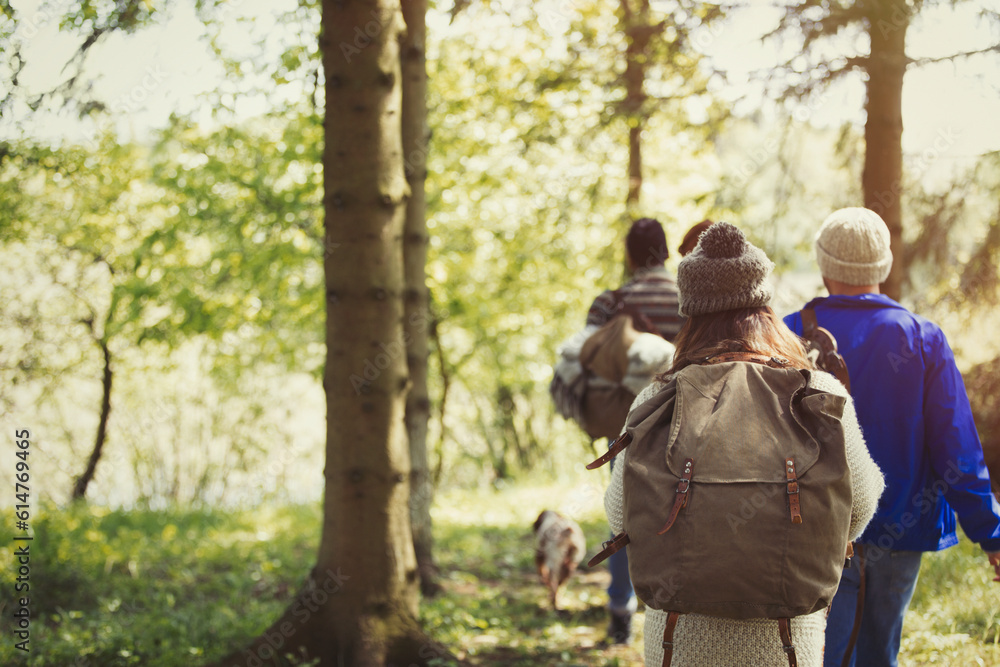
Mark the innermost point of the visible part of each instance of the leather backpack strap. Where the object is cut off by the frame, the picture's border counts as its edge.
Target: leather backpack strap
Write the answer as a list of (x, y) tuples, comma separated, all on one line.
[(809, 321), (830, 359), (623, 441), (792, 490), (773, 362), (614, 545), (785, 630), (859, 607), (680, 496), (668, 637)]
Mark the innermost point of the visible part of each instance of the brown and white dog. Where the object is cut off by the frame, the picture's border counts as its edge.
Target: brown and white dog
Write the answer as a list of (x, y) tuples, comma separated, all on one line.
[(559, 547)]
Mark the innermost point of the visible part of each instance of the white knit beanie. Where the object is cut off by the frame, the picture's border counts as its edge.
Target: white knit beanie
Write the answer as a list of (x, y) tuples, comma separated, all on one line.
[(852, 246)]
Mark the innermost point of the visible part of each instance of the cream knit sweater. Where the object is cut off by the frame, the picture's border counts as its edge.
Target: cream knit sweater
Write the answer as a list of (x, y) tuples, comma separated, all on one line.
[(705, 641)]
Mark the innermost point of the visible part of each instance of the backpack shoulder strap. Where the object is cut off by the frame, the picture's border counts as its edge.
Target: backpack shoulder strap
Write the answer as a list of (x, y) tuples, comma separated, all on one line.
[(809, 321), (614, 545), (623, 441), (773, 362), (829, 360)]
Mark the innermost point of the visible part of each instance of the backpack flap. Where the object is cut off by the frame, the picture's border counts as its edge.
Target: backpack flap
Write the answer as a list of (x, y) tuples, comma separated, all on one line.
[(735, 420), (734, 549)]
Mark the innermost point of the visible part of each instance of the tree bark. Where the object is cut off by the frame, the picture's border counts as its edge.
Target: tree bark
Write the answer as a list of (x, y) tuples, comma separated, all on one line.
[(80, 487), (882, 178), (359, 604), (638, 31), (415, 145)]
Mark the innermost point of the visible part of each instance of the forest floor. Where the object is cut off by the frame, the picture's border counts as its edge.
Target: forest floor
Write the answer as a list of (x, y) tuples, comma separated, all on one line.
[(179, 587)]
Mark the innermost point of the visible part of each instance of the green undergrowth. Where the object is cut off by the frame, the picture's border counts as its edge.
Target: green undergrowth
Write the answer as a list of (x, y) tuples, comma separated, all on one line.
[(141, 587), (181, 587)]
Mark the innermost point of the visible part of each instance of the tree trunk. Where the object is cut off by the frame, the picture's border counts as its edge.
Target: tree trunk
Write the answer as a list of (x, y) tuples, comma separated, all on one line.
[(80, 487), (638, 32), (359, 604), (882, 179), (415, 140)]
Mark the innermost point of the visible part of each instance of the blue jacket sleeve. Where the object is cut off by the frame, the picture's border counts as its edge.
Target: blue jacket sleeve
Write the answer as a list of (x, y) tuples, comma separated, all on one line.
[(954, 446)]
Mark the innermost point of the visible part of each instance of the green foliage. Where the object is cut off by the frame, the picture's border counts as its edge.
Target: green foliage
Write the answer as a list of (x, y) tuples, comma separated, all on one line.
[(954, 618), (276, 59), (166, 588), (100, 254), (100, 250), (249, 208), (108, 15), (982, 381)]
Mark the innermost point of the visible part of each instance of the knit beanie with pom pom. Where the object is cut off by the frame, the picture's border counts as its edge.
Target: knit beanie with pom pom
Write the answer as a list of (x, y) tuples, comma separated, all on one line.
[(723, 272)]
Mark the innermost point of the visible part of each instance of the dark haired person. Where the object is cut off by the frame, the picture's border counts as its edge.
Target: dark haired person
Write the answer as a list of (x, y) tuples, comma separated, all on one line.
[(912, 405), (651, 290), (653, 293), (725, 296)]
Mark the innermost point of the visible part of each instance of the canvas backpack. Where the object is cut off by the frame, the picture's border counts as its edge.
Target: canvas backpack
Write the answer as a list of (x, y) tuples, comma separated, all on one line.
[(605, 355), (737, 495), (598, 400)]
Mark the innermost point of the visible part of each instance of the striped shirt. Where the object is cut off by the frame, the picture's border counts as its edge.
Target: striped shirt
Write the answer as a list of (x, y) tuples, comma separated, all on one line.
[(654, 294)]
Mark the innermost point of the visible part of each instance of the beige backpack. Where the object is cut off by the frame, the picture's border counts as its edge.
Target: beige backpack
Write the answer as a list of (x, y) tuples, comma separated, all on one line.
[(737, 494)]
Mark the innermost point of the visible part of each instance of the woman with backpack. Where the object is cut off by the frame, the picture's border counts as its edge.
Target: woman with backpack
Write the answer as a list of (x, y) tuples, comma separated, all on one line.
[(721, 581)]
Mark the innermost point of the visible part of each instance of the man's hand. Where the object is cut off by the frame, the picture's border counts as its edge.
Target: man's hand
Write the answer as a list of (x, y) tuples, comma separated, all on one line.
[(995, 562)]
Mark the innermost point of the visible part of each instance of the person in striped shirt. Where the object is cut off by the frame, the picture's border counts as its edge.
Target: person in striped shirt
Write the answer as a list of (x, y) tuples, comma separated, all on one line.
[(652, 293)]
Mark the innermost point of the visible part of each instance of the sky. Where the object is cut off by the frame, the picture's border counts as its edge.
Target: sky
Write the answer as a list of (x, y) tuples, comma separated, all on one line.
[(950, 109)]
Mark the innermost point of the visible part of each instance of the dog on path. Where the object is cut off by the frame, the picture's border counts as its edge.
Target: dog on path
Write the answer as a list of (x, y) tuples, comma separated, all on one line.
[(559, 547)]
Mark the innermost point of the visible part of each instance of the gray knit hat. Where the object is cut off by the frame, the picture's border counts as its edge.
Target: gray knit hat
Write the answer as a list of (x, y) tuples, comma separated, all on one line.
[(852, 246), (723, 272)]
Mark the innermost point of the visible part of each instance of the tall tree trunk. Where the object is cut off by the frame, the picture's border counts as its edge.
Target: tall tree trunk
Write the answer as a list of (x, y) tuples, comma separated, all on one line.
[(882, 179), (80, 487), (638, 31), (415, 143), (359, 604)]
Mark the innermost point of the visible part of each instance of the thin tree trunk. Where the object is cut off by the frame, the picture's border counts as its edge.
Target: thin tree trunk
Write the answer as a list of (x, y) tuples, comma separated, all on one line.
[(80, 487), (638, 32), (445, 385), (415, 143), (359, 604), (882, 179)]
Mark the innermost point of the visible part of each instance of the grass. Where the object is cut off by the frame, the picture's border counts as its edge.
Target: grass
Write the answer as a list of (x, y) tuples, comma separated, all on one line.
[(179, 587)]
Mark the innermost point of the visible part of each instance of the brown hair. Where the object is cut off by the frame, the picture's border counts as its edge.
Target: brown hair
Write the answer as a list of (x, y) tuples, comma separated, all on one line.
[(755, 330), (691, 238)]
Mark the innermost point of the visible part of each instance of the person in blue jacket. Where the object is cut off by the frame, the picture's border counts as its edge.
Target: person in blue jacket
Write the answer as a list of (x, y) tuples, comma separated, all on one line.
[(915, 415)]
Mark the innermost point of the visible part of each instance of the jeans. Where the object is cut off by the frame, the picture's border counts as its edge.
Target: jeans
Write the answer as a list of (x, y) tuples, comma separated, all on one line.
[(621, 597), (890, 577)]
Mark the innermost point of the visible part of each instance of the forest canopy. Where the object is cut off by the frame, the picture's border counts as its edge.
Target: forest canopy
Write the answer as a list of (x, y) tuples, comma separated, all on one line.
[(193, 247)]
